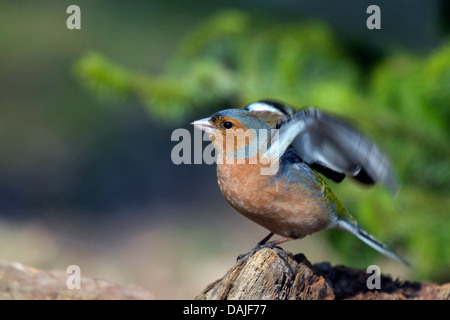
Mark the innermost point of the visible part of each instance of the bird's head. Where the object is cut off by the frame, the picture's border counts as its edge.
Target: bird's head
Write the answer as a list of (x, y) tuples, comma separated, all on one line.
[(232, 129)]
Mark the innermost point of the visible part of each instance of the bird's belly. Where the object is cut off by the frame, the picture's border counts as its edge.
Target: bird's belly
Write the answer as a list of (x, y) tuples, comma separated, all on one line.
[(287, 210)]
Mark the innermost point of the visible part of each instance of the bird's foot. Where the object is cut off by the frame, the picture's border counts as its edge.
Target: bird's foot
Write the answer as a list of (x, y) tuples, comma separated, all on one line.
[(263, 244), (245, 256)]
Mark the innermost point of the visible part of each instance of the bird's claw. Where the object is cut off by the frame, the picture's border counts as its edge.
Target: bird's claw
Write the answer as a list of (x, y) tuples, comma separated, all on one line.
[(259, 246)]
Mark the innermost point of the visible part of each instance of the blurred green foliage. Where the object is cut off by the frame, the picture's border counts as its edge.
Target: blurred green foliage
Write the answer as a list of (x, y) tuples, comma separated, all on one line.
[(403, 102)]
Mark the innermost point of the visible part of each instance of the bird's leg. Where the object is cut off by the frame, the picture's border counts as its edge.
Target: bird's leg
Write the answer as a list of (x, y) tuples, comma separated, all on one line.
[(260, 245), (264, 241), (274, 243), (264, 244)]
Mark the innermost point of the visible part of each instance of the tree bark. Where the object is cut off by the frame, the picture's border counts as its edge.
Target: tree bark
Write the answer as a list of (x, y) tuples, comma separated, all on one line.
[(274, 274)]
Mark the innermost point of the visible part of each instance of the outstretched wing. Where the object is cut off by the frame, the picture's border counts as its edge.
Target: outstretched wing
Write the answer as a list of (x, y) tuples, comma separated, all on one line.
[(334, 148)]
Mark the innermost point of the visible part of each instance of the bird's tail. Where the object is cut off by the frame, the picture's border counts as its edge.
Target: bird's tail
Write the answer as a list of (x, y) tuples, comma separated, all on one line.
[(363, 235)]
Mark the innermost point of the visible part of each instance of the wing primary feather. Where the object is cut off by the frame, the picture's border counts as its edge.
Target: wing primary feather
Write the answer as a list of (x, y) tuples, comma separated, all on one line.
[(329, 144), (288, 128), (334, 148)]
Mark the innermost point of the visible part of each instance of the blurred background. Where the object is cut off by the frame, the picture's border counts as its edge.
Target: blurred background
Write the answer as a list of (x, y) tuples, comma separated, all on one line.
[(86, 118)]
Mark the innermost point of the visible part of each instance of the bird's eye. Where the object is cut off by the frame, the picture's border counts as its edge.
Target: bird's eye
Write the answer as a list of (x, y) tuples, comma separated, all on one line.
[(227, 125)]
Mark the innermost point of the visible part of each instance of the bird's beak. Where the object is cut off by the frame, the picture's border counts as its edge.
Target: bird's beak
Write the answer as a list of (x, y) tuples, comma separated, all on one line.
[(204, 125)]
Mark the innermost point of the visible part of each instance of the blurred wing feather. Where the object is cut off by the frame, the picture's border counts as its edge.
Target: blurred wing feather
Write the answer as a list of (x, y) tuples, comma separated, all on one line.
[(334, 148)]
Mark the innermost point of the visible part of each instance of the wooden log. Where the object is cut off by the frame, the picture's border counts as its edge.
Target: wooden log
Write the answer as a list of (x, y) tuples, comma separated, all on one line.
[(273, 274), (19, 282)]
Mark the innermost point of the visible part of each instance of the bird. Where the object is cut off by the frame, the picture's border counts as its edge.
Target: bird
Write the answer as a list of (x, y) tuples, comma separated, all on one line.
[(293, 200)]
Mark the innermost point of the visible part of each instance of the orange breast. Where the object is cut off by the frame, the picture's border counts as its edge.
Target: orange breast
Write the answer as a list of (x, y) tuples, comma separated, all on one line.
[(283, 208)]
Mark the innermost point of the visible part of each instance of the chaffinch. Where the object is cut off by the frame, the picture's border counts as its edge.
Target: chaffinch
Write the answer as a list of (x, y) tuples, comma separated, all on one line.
[(293, 200)]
